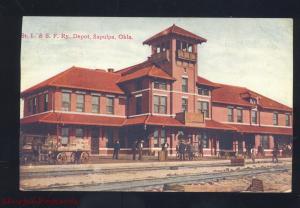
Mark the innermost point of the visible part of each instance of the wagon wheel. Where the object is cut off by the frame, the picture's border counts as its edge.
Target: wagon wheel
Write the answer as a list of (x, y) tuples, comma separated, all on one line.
[(61, 158), (84, 157)]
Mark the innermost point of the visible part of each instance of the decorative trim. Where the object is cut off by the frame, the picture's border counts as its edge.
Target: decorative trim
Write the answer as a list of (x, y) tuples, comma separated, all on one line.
[(228, 122), (161, 114), (139, 95), (186, 97), (65, 90), (160, 94), (80, 92), (91, 114), (276, 126), (110, 96), (37, 114), (185, 76), (143, 114), (139, 91), (95, 94)]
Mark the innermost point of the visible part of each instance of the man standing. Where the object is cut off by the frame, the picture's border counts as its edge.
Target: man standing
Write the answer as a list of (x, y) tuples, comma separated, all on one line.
[(275, 154), (134, 148), (253, 153), (200, 148), (140, 149), (181, 150), (189, 151), (116, 150), (164, 148)]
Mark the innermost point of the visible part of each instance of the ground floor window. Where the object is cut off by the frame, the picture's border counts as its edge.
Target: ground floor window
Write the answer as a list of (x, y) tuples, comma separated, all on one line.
[(64, 136), (109, 138), (79, 133), (203, 139), (159, 137), (264, 141)]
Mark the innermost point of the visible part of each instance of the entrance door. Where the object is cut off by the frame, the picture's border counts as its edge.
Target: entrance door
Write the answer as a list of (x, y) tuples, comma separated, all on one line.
[(95, 141)]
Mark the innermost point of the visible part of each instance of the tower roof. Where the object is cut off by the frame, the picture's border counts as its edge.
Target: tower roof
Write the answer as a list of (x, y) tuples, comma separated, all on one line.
[(177, 31)]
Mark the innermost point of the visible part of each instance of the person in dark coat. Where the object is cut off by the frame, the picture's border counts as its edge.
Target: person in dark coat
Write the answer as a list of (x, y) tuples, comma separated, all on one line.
[(189, 150), (116, 150), (275, 154), (200, 148), (181, 149), (134, 149)]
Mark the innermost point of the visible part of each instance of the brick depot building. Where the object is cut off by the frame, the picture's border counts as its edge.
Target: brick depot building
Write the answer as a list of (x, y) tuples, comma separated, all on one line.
[(160, 99)]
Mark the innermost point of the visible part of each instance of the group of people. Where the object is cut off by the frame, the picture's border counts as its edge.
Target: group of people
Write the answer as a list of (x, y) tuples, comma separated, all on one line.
[(137, 148), (187, 149), (260, 152)]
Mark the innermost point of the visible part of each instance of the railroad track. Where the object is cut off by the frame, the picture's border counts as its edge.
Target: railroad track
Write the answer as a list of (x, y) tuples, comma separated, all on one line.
[(60, 173), (148, 184)]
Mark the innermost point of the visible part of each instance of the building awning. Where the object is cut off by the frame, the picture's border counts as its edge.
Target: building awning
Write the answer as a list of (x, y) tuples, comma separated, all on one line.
[(76, 119), (263, 129), (212, 124)]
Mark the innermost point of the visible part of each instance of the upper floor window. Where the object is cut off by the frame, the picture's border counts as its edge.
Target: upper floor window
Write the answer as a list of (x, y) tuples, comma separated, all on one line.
[(203, 91), (240, 115), (160, 104), (64, 136), (275, 118), (184, 84), (254, 117), (184, 105), (79, 133), (138, 84), (287, 120), (34, 107), (95, 104), (138, 105), (80, 103), (46, 101), (160, 84), (110, 105), (203, 106), (230, 114), (66, 104), (252, 100), (29, 105)]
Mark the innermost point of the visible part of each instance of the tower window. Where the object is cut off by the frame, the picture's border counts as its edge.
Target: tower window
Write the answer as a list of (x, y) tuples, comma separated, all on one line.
[(160, 104), (254, 117), (184, 84), (230, 114), (287, 120), (203, 106), (138, 105), (240, 115)]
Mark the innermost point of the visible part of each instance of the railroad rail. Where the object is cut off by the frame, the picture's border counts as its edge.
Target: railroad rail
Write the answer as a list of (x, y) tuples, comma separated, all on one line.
[(148, 184)]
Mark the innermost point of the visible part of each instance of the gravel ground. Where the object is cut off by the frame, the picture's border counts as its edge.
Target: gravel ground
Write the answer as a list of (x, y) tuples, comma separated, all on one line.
[(227, 185)]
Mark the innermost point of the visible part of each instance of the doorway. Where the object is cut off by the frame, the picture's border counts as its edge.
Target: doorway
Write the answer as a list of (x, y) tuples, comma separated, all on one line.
[(95, 141)]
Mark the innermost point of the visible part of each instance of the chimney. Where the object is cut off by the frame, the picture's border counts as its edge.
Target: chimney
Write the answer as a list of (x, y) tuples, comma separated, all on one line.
[(110, 70)]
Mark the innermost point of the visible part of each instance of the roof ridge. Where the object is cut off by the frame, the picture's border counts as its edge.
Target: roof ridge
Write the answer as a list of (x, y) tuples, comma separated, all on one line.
[(61, 74)]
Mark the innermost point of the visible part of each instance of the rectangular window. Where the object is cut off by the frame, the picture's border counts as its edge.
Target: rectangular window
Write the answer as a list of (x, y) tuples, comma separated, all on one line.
[(66, 101), (29, 105), (240, 115), (110, 105), (184, 104), (203, 91), (264, 141), (163, 136), (64, 136), (80, 103), (230, 114), (254, 117), (155, 138), (160, 84), (275, 118), (184, 84), (46, 101), (160, 104), (79, 133), (138, 105), (95, 104), (287, 120), (203, 139), (109, 138), (34, 107), (203, 106)]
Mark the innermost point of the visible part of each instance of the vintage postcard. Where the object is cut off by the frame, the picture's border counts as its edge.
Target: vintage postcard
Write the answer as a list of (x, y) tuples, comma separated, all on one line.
[(156, 104)]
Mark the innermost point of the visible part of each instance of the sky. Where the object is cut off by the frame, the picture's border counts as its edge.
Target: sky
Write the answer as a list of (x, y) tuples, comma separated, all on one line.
[(253, 53)]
